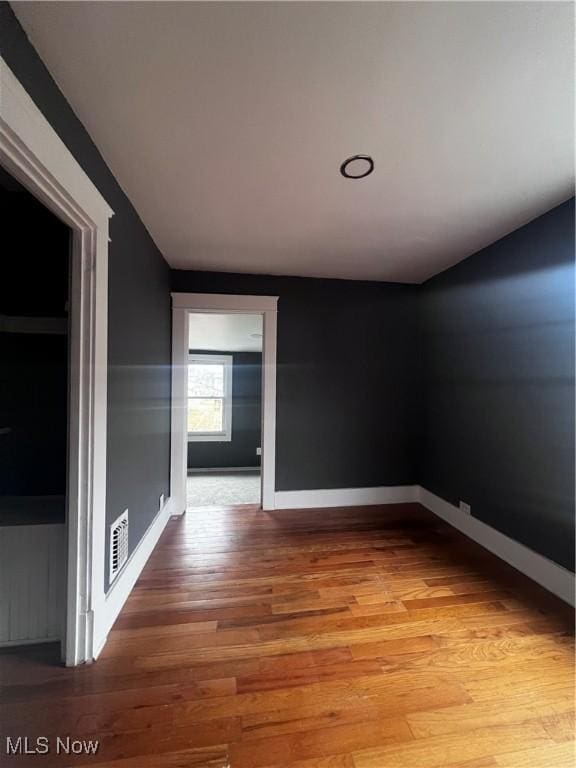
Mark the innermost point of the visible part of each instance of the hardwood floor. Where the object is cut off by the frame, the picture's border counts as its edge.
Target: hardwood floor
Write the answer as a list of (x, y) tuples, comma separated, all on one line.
[(373, 637)]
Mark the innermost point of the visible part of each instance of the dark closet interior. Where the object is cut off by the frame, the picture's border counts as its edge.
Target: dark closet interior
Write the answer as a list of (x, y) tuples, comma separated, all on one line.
[(34, 295)]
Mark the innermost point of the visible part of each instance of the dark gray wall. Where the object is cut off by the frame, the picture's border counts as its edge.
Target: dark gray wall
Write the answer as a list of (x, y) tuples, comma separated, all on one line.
[(499, 384), (348, 399), (240, 451), (139, 309)]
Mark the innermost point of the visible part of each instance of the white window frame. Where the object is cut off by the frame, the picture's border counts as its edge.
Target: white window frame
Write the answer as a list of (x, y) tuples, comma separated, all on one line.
[(225, 436)]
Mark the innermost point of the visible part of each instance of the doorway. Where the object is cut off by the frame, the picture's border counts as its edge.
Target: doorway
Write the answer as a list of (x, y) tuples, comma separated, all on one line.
[(224, 411), (223, 401), (33, 154)]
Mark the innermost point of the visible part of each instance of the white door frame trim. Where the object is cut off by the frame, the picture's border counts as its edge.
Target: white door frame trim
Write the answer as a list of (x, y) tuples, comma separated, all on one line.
[(32, 152), (184, 304)]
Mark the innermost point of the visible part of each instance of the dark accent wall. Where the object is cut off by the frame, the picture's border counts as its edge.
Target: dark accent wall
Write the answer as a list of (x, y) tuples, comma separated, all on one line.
[(348, 394), (34, 366), (240, 451), (498, 340), (139, 309)]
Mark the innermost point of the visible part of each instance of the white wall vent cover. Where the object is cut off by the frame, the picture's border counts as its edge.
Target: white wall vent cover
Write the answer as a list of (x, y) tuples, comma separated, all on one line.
[(118, 544)]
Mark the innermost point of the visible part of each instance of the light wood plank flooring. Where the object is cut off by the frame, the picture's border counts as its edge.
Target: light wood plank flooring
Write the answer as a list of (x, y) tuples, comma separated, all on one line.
[(371, 637)]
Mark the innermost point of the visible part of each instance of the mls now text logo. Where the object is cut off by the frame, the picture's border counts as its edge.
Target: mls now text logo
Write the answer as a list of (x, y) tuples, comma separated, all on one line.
[(42, 745)]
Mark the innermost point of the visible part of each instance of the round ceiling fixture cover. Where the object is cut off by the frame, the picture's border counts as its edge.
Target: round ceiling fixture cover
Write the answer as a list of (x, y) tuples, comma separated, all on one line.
[(357, 167)]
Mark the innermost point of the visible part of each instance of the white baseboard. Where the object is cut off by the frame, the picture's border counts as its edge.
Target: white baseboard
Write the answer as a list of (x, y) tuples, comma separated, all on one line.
[(345, 497), (120, 590), (553, 577)]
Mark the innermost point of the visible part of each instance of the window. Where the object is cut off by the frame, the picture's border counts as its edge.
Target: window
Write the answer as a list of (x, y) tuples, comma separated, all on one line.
[(210, 397)]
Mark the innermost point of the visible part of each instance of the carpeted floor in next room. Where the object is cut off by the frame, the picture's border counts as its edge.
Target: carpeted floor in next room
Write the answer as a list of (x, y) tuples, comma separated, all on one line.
[(222, 489)]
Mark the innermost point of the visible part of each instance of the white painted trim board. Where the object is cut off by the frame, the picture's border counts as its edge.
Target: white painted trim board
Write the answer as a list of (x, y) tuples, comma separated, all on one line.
[(345, 497), (224, 302)]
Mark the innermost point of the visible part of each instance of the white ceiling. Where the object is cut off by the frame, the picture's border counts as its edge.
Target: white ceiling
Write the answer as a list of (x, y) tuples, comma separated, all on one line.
[(226, 124), (225, 333)]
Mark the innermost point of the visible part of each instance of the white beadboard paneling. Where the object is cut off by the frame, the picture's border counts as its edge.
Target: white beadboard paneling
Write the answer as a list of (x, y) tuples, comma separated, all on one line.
[(32, 583)]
